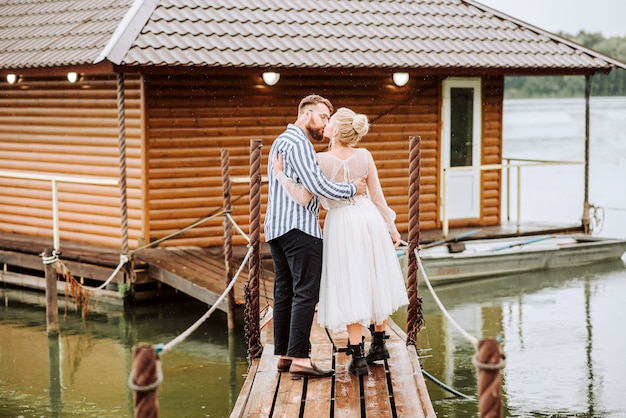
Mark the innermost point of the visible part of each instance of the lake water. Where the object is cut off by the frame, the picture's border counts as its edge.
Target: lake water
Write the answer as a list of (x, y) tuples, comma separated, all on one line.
[(561, 330)]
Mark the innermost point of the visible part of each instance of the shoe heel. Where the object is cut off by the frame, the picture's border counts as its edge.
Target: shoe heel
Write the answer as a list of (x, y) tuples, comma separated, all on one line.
[(358, 365)]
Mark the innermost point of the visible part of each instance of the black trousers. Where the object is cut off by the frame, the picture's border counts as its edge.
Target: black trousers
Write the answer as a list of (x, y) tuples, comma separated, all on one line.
[(297, 260)]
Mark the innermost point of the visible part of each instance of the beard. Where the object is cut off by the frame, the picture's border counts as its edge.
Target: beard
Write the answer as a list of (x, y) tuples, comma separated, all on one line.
[(315, 133)]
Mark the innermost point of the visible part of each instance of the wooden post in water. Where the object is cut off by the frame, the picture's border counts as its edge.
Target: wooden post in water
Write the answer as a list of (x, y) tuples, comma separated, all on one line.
[(49, 258), (52, 306), (414, 311), (54, 376), (253, 331), (489, 360), (228, 241), (144, 381)]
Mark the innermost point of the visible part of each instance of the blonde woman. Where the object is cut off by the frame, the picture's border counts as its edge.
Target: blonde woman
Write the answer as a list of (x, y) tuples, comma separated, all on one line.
[(362, 281)]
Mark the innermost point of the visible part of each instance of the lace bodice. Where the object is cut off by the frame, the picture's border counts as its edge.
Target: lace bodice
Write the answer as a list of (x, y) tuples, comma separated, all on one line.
[(339, 170)]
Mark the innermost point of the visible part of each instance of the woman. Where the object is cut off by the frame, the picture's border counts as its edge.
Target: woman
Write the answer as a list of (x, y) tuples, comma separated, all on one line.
[(362, 281)]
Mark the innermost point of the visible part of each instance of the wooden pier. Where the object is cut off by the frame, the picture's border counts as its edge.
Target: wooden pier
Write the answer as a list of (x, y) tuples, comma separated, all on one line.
[(393, 388), (195, 271), (200, 273)]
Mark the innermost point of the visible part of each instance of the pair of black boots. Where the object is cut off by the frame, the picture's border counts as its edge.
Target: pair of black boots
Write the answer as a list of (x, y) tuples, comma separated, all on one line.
[(378, 351)]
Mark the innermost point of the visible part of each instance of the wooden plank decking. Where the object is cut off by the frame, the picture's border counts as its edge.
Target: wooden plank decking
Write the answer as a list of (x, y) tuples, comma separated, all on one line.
[(201, 273), (393, 388)]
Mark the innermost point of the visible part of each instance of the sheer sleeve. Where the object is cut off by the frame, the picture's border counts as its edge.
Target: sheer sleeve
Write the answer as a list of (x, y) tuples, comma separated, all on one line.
[(375, 191), (297, 192)]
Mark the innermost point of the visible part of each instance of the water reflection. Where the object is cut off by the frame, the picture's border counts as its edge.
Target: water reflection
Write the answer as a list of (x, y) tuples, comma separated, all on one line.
[(559, 336), (560, 329), (84, 371)]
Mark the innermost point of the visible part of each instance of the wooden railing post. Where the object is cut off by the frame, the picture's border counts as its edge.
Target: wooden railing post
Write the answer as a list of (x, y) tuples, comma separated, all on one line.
[(228, 241), (489, 361), (253, 331), (414, 310)]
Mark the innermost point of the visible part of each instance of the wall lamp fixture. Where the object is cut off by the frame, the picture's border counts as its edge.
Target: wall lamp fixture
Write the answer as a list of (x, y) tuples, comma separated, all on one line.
[(271, 78), (400, 79), (73, 77)]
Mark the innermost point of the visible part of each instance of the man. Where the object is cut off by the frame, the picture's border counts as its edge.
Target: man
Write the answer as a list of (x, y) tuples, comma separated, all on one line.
[(295, 237)]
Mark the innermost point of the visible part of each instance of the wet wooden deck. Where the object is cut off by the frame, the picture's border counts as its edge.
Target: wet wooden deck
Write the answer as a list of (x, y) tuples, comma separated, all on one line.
[(393, 388)]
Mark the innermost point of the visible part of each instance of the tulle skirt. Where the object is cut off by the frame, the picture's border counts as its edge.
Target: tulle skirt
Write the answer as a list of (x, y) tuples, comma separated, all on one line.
[(362, 281)]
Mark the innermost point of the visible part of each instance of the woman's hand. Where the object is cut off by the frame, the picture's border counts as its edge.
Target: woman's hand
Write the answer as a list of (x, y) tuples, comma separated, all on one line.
[(397, 239), (278, 162)]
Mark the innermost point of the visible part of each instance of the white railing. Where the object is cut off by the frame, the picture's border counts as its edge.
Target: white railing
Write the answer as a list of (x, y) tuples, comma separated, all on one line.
[(508, 166), (54, 179)]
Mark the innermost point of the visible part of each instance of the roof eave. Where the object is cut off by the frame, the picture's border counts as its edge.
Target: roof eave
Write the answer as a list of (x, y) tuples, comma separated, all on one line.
[(102, 67), (361, 71)]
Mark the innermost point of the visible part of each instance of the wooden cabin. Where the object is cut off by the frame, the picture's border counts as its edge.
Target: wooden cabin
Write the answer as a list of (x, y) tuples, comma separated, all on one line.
[(156, 90)]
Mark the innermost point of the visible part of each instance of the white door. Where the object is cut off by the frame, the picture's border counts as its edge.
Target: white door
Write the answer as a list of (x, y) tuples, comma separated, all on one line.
[(461, 145)]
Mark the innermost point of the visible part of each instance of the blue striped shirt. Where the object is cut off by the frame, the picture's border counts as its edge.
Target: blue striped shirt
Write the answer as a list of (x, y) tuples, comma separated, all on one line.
[(284, 214)]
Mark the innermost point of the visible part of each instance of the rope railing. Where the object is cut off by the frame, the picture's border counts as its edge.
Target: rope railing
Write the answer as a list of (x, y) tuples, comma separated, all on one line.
[(470, 338), (243, 234), (146, 375), (488, 360), (180, 231), (167, 347), (81, 291), (124, 258)]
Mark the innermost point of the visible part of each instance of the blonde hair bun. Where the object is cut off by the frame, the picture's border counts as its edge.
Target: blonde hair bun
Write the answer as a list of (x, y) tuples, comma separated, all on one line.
[(352, 126), (360, 125)]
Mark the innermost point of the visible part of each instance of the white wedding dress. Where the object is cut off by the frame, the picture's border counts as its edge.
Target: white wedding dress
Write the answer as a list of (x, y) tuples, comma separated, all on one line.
[(362, 281)]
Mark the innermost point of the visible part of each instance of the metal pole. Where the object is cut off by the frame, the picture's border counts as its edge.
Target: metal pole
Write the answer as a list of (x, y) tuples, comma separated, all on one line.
[(445, 226), (55, 217), (519, 198), (585, 220), (508, 189)]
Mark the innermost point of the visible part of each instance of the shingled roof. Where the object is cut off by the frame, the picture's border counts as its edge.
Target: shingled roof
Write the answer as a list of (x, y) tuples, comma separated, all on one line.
[(407, 34)]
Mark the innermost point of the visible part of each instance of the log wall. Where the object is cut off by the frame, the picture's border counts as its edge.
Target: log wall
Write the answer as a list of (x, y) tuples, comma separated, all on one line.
[(191, 119), (176, 127), (49, 126)]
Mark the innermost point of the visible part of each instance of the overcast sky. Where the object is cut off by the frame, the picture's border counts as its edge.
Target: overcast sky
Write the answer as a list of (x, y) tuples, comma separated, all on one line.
[(605, 16)]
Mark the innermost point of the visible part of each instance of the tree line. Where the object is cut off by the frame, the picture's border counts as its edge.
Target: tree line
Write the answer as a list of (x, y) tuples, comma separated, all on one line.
[(612, 84)]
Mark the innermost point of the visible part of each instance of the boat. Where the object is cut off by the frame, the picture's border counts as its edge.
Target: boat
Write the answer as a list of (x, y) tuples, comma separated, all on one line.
[(481, 258)]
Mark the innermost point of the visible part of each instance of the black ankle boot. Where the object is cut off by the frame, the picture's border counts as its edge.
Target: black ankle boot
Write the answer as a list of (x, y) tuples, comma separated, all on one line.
[(358, 365), (378, 349)]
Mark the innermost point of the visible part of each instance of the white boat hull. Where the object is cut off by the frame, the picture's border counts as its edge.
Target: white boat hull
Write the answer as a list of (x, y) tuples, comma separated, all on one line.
[(494, 257)]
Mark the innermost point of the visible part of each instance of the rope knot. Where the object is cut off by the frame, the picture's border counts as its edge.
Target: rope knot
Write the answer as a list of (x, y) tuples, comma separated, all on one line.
[(51, 259), (147, 363), (489, 366)]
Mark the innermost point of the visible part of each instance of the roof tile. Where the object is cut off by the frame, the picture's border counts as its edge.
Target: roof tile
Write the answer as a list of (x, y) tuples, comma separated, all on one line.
[(285, 33)]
